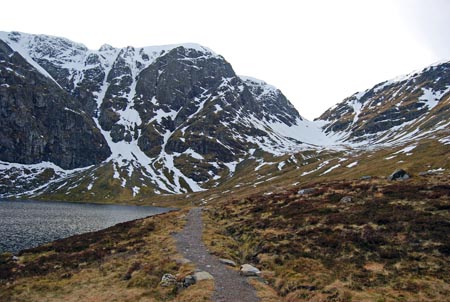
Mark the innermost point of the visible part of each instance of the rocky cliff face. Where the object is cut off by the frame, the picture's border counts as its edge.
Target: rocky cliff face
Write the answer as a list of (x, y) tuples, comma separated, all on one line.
[(124, 123), (168, 119), (40, 121)]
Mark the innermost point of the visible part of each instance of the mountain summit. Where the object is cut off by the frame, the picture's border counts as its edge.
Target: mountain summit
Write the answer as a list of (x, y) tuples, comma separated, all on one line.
[(162, 119), (126, 123)]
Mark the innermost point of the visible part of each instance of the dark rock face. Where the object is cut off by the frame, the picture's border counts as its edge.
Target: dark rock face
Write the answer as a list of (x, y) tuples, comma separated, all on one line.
[(177, 78), (41, 122), (174, 117)]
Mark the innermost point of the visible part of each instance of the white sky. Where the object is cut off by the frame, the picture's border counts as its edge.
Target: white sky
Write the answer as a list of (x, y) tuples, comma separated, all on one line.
[(317, 52)]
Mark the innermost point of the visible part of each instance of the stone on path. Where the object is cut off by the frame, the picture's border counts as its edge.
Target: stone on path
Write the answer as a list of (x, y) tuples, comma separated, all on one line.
[(229, 285), (228, 262), (202, 275), (181, 261), (248, 270)]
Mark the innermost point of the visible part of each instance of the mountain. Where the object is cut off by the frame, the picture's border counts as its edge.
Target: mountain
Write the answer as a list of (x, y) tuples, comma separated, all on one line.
[(408, 107), (130, 121), (119, 124), (42, 122)]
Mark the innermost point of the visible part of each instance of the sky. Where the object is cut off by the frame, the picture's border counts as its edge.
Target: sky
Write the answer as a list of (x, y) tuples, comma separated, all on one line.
[(316, 52)]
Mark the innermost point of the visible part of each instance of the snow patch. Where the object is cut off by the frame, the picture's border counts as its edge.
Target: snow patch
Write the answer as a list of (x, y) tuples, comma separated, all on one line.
[(407, 149), (431, 98), (193, 154), (331, 169), (352, 164), (321, 165), (445, 141), (231, 166), (218, 108), (136, 191)]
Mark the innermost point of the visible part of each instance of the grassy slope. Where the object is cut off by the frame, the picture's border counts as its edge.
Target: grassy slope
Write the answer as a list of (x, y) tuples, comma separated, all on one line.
[(390, 243), (252, 177)]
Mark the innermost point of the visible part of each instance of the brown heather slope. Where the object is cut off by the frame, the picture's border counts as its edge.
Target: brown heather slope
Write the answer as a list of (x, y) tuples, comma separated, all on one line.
[(391, 242)]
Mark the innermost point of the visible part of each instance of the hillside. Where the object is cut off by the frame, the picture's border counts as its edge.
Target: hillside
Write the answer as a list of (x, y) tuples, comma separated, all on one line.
[(345, 240), (169, 119), (408, 107), (129, 124)]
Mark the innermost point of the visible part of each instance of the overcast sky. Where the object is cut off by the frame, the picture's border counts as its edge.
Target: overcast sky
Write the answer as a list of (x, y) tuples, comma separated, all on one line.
[(316, 52)]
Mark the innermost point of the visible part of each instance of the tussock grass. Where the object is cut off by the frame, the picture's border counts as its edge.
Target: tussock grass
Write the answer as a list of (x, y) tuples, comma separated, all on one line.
[(390, 243)]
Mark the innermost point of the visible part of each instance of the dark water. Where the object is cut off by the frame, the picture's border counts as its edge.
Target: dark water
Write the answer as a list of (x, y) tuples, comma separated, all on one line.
[(26, 224)]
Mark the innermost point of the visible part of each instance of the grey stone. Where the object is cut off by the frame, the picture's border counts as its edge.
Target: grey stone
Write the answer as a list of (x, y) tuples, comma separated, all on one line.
[(181, 261), (202, 275), (346, 199), (399, 174), (306, 191), (228, 262), (168, 280), (248, 270)]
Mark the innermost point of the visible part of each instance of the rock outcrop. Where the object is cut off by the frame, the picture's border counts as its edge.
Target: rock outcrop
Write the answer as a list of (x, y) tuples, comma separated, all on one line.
[(41, 122), (169, 119)]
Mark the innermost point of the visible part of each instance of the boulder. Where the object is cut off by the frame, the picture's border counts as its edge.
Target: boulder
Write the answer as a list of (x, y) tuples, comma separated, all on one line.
[(248, 270), (227, 262), (399, 174), (181, 261), (168, 280), (366, 177), (202, 275), (346, 199), (306, 191)]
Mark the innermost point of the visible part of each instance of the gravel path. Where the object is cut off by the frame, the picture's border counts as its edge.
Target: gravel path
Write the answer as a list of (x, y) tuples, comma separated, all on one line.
[(230, 286)]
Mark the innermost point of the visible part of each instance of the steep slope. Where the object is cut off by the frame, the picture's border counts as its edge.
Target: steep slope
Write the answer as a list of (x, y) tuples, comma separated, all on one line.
[(40, 122), (176, 118), (409, 107), (128, 123)]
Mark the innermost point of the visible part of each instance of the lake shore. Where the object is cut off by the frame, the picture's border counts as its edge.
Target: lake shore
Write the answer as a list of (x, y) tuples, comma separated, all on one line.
[(30, 223)]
